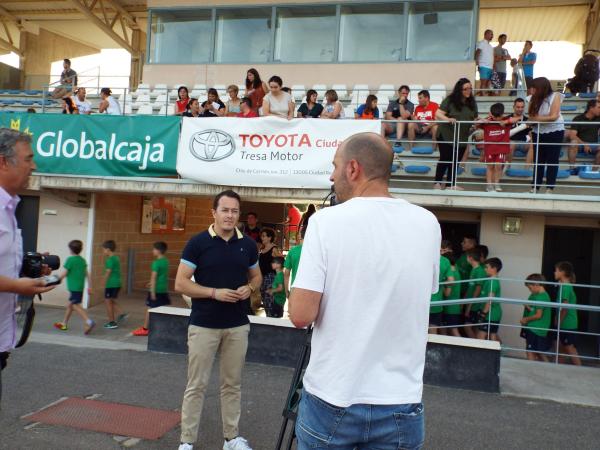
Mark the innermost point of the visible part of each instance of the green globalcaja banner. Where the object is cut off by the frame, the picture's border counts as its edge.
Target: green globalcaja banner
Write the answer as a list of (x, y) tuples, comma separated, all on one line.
[(99, 145)]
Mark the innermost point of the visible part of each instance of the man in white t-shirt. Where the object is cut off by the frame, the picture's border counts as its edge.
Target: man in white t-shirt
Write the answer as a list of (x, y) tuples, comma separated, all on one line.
[(83, 105), (484, 56), (366, 287)]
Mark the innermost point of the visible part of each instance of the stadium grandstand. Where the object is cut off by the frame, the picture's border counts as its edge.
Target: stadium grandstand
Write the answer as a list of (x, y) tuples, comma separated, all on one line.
[(357, 49)]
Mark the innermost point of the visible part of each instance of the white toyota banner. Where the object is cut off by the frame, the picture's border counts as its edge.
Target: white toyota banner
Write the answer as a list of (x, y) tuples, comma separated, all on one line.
[(264, 151)]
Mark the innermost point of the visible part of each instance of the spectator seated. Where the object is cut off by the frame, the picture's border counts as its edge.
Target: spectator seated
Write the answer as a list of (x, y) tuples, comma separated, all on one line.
[(417, 169), (588, 174)]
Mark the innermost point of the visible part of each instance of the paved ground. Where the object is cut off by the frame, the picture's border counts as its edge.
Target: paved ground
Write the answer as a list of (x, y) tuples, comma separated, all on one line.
[(41, 373)]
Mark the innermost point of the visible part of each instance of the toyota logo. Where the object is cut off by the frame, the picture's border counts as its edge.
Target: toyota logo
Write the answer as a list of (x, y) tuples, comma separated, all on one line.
[(212, 145)]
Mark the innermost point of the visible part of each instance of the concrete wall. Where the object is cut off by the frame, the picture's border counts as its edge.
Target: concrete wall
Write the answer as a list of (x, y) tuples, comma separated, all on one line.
[(422, 73), (10, 78), (44, 48), (118, 217), (59, 223)]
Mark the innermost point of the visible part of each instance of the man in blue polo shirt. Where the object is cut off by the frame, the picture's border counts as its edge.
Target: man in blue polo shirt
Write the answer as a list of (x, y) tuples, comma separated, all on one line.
[(224, 264)]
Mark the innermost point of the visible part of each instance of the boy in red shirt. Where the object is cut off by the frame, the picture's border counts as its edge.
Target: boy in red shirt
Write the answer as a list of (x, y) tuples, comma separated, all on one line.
[(246, 108), (496, 147), (424, 112)]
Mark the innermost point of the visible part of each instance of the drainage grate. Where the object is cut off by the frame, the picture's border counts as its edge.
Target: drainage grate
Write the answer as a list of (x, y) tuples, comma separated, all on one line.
[(112, 418)]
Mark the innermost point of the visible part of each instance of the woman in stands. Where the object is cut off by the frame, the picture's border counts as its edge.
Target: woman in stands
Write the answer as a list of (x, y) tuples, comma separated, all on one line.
[(69, 106), (267, 251), (108, 104), (311, 108), (213, 107), (369, 110), (547, 137), (193, 109), (232, 107), (256, 89), (184, 98), (332, 109), (277, 102), (460, 105)]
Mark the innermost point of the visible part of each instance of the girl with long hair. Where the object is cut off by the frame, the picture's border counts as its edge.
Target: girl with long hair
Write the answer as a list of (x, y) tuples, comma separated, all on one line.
[(547, 138), (256, 89), (369, 110), (460, 106)]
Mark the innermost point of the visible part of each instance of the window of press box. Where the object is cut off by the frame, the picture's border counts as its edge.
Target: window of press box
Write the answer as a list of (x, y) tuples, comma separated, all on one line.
[(243, 35), (440, 31), (305, 34), (373, 32), (180, 37)]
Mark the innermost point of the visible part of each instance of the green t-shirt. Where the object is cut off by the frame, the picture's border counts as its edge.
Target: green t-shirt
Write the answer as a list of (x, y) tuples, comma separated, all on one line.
[(476, 272), (544, 321), (567, 295), (492, 286), (439, 295), (454, 292), (464, 268), (161, 267), (446, 129), (76, 271), (114, 265), (292, 260), (279, 297)]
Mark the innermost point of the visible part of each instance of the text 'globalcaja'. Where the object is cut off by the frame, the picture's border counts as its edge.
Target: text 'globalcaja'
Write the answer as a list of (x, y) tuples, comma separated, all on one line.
[(51, 144)]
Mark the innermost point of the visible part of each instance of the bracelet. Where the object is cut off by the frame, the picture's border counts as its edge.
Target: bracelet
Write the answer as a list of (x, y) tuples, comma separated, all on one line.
[(213, 295)]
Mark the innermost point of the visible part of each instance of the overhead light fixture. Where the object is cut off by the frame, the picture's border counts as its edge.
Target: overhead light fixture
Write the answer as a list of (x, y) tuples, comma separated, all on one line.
[(512, 225)]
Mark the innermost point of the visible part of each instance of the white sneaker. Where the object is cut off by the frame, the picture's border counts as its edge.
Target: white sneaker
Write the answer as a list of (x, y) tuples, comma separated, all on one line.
[(498, 188), (489, 188), (183, 446), (239, 443)]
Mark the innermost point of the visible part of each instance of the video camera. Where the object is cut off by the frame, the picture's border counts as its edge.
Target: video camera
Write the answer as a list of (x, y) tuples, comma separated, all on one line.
[(33, 263)]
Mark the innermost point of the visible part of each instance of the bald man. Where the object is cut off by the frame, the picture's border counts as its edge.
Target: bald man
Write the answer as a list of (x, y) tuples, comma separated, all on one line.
[(368, 268)]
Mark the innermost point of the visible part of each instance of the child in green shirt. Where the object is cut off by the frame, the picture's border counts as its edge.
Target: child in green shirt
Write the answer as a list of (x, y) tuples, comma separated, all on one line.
[(473, 291), (158, 295), (536, 320), (452, 313), (567, 322), (491, 312), (278, 288), (112, 283), (76, 273)]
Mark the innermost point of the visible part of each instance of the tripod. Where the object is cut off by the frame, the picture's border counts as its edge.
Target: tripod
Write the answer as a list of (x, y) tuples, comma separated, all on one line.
[(290, 411)]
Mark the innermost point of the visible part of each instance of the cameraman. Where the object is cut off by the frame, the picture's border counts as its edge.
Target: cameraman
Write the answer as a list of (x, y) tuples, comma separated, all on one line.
[(16, 165), (367, 289)]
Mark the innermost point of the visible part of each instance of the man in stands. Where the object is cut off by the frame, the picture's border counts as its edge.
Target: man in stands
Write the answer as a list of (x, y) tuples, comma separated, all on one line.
[(401, 108), (246, 110), (521, 139), (68, 81), (292, 222), (484, 56), (423, 113), (501, 55), (584, 136), (251, 227), (82, 104), (366, 286)]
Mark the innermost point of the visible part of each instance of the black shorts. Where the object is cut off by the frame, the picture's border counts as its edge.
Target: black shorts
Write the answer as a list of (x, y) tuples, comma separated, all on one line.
[(162, 299), (111, 293), (473, 317), (493, 327), (567, 338), (435, 319), (75, 297), (453, 320), (535, 342)]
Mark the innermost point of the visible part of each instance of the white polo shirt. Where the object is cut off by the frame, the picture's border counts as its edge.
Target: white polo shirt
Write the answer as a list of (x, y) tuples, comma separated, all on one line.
[(486, 57), (376, 261)]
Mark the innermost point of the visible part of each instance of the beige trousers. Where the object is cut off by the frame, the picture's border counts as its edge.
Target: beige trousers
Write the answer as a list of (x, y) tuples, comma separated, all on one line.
[(203, 344)]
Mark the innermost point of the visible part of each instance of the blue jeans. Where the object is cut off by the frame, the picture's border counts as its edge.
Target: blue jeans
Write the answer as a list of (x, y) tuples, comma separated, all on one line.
[(362, 427)]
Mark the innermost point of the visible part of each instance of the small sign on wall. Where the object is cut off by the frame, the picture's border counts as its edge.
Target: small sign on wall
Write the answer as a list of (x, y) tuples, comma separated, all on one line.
[(163, 215)]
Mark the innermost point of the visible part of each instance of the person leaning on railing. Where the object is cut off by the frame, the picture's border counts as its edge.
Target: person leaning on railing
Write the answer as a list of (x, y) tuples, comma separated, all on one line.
[(460, 106), (544, 107)]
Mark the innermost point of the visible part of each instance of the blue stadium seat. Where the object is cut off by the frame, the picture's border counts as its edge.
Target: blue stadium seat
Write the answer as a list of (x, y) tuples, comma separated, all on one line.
[(519, 173), (417, 169), (587, 174), (563, 173), (478, 171), (587, 95), (32, 92), (14, 92), (395, 167), (7, 102), (422, 150), (398, 148), (568, 108), (460, 171), (475, 151), (27, 102)]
